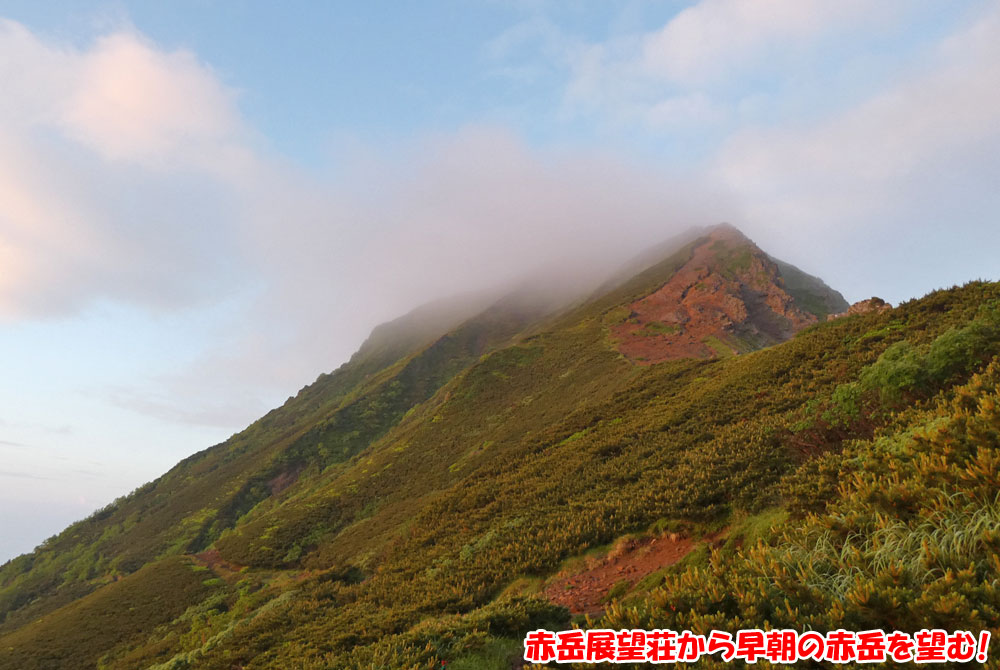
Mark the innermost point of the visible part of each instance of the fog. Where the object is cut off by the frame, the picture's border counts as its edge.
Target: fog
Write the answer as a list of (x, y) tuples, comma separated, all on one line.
[(167, 274)]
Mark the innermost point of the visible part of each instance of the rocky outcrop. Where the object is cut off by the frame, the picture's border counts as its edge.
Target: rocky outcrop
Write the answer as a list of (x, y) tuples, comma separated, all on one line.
[(872, 305), (728, 298)]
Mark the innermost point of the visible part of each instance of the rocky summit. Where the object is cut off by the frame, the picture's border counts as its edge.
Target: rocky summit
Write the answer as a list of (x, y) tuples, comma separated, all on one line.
[(728, 297)]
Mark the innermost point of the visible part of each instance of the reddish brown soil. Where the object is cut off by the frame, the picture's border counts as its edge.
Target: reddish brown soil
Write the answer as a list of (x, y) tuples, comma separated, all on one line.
[(212, 560), (728, 289), (584, 592)]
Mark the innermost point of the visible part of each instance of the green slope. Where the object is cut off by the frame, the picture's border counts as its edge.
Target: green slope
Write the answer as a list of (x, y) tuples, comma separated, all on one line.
[(382, 521), (810, 292), (403, 364), (120, 613)]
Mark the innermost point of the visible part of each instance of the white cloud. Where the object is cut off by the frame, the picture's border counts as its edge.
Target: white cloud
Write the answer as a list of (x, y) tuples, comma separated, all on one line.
[(35, 76), (693, 70), (131, 101), (682, 110), (908, 168), (114, 165), (855, 157), (838, 121), (128, 175), (715, 38), (121, 97), (179, 210), (447, 214)]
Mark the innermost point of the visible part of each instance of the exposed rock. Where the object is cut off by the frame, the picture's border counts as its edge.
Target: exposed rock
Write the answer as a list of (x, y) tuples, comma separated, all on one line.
[(728, 298), (871, 305)]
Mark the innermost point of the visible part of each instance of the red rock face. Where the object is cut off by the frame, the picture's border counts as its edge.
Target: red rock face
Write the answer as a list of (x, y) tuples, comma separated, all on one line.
[(729, 297)]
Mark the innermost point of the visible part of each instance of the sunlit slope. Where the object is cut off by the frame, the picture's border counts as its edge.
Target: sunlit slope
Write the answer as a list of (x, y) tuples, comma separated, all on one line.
[(536, 441), (897, 532), (539, 452)]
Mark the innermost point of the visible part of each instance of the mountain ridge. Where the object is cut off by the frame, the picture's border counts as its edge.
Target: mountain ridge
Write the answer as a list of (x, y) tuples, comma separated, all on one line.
[(402, 515)]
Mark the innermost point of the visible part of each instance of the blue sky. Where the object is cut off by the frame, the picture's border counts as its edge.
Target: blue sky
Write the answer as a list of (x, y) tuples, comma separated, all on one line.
[(205, 204)]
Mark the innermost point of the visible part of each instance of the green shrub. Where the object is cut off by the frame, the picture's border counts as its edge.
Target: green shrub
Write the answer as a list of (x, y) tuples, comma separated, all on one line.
[(900, 369)]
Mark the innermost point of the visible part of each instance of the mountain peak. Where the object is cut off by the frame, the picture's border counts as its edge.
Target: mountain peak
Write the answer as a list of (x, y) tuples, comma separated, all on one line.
[(729, 297), (727, 231)]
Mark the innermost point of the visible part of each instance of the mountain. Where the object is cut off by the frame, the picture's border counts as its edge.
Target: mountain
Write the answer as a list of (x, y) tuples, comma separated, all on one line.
[(692, 445), (728, 297)]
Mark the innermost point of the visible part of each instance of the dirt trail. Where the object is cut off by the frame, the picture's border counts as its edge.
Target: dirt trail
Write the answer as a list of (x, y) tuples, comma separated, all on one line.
[(584, 592)]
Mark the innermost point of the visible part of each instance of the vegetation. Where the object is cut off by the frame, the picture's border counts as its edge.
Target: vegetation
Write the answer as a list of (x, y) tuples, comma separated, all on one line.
[(810, 292), (391, 514), (120, 613), (910, 541)]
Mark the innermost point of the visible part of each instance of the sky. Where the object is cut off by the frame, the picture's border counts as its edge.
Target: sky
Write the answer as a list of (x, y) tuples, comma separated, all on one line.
[(205, 204)]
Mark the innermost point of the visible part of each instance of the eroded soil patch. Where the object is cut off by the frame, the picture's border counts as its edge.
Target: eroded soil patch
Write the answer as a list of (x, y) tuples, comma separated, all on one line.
[(212, 560), (584, 592), (726, 299)]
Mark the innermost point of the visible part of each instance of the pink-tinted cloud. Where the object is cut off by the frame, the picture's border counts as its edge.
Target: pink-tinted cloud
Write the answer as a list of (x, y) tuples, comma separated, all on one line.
[(132, 101)]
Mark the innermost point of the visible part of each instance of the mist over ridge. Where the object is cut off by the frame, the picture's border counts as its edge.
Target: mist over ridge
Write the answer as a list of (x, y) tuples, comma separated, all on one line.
[(211, 215)]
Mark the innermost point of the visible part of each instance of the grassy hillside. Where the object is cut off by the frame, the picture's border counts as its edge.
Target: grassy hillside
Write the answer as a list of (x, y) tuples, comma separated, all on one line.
[(406, 515), (120, 613), (898, 532), (323, 426), (810, 292)]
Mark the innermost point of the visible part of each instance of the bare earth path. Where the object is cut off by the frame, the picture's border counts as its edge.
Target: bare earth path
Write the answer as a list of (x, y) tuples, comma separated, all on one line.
[(584, 592)]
